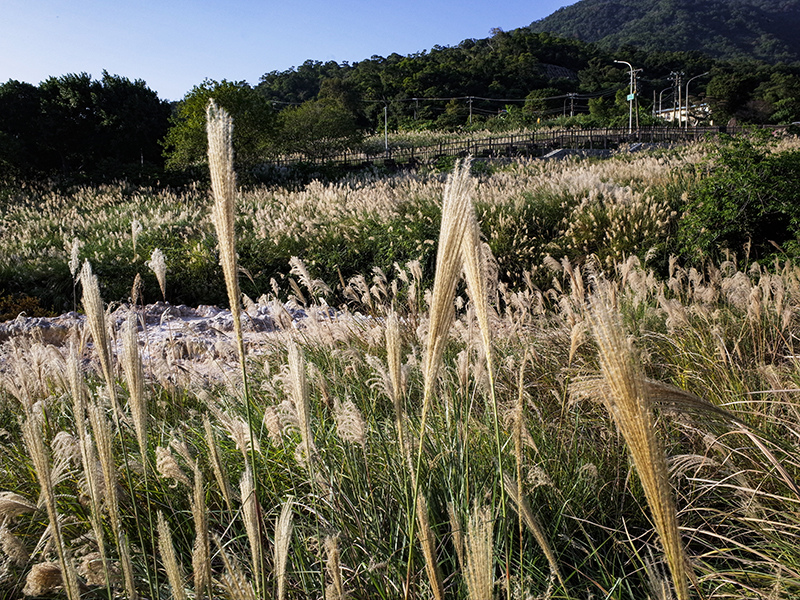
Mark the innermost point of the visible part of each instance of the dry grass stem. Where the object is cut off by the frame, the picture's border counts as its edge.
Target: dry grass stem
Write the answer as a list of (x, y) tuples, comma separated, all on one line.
[(220, 474), (524, 509), (201, 552)]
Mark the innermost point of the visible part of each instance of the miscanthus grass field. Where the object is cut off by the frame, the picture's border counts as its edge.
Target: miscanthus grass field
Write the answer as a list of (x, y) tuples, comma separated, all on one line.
[(505, 387)]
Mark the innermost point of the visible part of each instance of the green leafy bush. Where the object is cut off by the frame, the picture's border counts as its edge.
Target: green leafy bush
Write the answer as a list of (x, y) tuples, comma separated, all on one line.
[(751, 196)]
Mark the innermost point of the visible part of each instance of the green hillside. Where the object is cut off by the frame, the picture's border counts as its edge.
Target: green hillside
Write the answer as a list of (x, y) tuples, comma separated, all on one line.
[(726, 29)]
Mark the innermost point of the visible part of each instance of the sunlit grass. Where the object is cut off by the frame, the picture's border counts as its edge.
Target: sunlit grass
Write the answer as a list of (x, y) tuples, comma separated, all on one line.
[(351, 467)]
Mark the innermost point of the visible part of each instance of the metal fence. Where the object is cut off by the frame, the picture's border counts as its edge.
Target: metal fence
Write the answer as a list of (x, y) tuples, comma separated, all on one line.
[(535, 143)]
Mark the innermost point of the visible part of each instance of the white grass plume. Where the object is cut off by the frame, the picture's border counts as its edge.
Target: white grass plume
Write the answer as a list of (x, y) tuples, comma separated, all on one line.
[(283, 536), (625, 395), (171, 565)]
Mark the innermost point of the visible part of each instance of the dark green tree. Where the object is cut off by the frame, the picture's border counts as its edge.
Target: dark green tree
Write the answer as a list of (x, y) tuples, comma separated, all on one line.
[(186, 146), (19, 130), (318, 128)]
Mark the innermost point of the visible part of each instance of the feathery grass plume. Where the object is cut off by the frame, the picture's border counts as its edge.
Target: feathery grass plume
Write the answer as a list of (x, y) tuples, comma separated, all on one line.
[(216, 463), (137, 290), (134, 375), (251, 517), (13, 505), (74, 257), (625, 396), (171, 565), (201, 552), (136, 229), (77, 388), (13, 547), (474, 273), (455, 227), (514, 492), (393, 359), (479, 572), (43, 578), (301, 398), (457, 531), (102, 436), (158, 265), (32, 435), (168, 467), (335, 591), (219, 128), (428, 542), (74, 265), (283, 536), (96, 317), (350, 425)]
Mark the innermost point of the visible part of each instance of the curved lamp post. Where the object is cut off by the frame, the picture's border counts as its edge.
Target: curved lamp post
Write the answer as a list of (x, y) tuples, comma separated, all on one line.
[(687, 96)]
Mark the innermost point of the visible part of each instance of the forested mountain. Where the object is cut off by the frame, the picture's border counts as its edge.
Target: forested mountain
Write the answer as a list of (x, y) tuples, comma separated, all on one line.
[(725, 29)]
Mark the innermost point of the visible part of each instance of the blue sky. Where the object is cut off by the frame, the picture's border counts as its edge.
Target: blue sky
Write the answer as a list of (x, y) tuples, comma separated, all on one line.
[(175, 44)]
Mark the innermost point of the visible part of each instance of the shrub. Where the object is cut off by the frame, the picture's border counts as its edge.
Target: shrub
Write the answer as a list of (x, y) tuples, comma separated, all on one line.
[(750, 196)]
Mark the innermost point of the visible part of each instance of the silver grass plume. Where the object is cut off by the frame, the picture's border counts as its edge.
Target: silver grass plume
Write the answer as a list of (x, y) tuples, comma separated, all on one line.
[(12, 505), (219, 126), (32, 436), (456, 213), (201, 552), (171, 565), (134, 375), (283, 536), (479, 572), (95, 316), (158, 265), (428, 542), (301, 398), (626, 397), (335, 590), (250, 515)]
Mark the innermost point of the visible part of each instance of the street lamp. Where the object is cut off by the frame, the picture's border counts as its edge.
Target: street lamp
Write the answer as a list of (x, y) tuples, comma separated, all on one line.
[(687, 96), (631, 95)]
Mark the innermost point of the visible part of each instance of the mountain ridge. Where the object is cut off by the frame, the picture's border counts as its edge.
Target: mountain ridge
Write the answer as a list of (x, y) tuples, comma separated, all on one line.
[(722, 29)]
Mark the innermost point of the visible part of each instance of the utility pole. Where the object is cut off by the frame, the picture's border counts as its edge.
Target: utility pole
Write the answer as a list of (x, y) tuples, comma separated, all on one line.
[(386, 129), (677, 95), (631, 95), (572, 103), (470, 110)]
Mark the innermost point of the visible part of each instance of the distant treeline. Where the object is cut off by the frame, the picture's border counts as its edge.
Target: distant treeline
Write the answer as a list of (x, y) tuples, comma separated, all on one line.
[(110, 128)]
